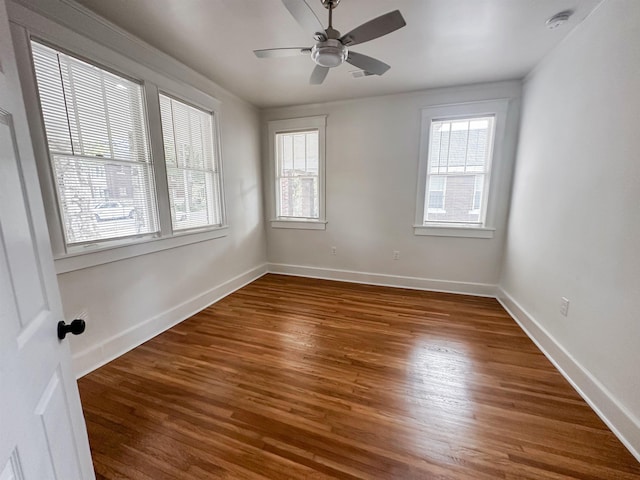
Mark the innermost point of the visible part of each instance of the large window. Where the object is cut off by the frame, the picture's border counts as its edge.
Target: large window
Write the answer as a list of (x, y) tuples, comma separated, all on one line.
[(98, 147), (125, 165), (193, 173), (298, 164), (457, 156)]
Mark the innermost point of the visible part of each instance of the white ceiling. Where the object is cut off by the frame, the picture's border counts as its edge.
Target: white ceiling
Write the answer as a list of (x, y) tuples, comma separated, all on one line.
[(445, 42)]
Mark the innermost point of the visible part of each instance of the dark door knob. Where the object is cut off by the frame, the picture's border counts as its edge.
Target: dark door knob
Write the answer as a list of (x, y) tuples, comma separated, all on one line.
[(76, 327)]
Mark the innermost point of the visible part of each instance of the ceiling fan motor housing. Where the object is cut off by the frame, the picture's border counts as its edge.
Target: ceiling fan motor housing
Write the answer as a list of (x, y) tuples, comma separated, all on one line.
[(330, 3), (329, 53)]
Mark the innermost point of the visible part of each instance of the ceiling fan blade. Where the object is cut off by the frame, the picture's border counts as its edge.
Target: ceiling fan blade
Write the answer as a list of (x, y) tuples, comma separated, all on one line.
[(387, 23), (368, 64), (304, 15), (318, 75), (282, 52)]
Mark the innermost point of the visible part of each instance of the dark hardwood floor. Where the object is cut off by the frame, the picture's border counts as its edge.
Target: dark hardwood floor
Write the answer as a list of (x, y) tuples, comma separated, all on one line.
[(307, 379)]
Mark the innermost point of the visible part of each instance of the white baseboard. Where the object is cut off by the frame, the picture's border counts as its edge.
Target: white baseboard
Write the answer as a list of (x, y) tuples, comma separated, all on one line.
[(416, 283), (98, 355), (90, 359), (621, 422)]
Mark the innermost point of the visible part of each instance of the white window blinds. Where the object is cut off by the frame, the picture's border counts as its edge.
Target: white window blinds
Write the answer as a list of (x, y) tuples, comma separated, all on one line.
[(458, 170), (98, 147), (297, 174), (193, 166)]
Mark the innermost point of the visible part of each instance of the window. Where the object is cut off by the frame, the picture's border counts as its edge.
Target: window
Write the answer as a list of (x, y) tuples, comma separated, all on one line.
[(193, 174), (297, 174), (457, 156), (298, 163), (127, 169), (98, 148)]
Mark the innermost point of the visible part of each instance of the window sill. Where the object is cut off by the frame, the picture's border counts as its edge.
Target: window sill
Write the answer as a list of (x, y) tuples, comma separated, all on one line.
[(299, 224), (99, 255), (450, 231)]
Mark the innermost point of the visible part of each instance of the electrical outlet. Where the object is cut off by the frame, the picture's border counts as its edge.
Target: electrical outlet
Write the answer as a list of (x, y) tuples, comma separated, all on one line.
[(334, 250), (396, 255), (564, 306)]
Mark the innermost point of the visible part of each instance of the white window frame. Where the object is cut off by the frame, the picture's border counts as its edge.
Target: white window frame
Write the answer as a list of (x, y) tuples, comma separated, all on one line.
[(83, 245), (70, 258), (292, 125), (497, 108), (217, 160)]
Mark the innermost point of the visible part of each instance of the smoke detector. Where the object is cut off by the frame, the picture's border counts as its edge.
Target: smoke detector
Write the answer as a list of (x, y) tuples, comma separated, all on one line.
[(559, 19)]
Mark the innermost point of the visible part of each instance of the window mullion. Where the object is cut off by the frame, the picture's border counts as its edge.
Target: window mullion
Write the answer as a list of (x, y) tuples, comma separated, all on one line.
[(158, 158)]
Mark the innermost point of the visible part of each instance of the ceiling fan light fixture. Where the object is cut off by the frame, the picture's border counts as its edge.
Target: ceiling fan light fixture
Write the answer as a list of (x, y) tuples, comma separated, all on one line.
[(331, 49), (329, 53)]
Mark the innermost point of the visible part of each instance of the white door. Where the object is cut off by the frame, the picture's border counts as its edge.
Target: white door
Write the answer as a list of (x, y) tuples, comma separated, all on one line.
[(42, 430)]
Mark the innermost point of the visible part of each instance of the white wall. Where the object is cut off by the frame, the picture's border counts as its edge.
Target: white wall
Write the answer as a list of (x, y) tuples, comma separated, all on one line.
[(574, 228), (573, 231), (371, 166), (128, 301)]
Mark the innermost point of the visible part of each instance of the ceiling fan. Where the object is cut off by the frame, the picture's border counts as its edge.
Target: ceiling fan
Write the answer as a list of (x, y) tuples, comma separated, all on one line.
[(331, 49)]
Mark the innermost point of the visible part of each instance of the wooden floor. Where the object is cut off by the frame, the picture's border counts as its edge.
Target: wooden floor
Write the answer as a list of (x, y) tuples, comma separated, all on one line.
[(307, 379)]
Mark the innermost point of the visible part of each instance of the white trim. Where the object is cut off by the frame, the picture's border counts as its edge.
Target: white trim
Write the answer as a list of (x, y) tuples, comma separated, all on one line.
[(295, 124), (318, 122), (107, 254), (98, 355), (385, 280), (299, 224), (156, 143), (621, 421), (451, 231), (499, 108)]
